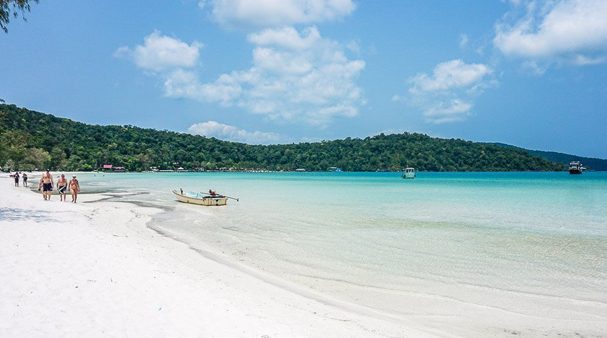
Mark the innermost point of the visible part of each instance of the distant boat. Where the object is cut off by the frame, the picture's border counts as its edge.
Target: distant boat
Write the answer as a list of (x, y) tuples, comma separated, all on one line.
[(409, 173), (575, 167), (200, 199)]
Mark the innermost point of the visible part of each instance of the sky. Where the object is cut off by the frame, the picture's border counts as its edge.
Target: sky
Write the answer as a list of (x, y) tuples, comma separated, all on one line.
[(527, 73)]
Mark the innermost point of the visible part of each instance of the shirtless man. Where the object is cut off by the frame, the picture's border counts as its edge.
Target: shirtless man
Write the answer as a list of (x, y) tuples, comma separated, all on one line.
[(46, 182), (62, 187), (74, 187)]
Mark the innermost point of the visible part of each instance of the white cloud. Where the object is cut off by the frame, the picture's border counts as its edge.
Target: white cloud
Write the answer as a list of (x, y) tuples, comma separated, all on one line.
[(533, 67), (449, 75), (231, 133), (186, 84), (276, 13), (447, 94), (398, 98), (570, 30), (463, 40), (287, 37), (582, 60), (160, 53), (280, 62), (295, 77), (448, 111)]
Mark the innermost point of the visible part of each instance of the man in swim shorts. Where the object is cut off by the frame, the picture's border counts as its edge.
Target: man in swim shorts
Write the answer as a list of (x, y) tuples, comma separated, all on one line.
[(62, 187), (46, 182)]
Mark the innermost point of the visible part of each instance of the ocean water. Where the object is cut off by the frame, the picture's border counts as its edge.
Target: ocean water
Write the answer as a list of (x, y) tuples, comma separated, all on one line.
[(459, 250)]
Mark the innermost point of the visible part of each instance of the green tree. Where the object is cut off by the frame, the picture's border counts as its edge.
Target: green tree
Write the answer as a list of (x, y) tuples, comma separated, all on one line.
[(35, 159), (14, 150), (10, 8), (77, 146), (58, 159)]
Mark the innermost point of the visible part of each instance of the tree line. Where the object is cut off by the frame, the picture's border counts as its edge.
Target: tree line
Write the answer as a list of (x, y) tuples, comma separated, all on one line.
[(32, 140), (12, 8)]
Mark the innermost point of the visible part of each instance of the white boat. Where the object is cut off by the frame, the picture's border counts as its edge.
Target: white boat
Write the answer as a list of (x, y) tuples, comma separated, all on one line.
[(200, 199), (575, 167), (409, 173)]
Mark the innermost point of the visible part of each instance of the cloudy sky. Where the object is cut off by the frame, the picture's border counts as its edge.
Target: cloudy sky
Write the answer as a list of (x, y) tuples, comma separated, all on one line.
[(523, 72)]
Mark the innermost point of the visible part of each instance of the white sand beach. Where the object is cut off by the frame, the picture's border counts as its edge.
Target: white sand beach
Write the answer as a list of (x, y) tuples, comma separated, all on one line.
[(96, 270)]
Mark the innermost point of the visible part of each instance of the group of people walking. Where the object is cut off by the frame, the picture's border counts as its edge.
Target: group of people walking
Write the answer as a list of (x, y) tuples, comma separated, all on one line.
[(24, 176), (47, 184)]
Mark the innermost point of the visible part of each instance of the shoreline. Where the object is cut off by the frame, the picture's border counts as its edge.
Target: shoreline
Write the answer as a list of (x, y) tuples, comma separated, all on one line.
[(138, 275), (98, 269)]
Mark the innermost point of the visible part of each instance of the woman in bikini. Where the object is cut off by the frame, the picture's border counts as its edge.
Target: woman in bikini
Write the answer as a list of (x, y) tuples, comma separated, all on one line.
[(62, 187), (74, 187)]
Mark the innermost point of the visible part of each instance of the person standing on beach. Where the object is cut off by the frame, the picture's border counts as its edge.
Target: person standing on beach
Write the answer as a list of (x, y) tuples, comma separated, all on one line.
[(46, 182), (74, 187), (62, 187), (24, 179), (16, 178)]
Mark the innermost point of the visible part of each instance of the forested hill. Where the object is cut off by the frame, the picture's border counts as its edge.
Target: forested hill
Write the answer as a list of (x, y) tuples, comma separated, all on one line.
[(588, 162), (31, 140)]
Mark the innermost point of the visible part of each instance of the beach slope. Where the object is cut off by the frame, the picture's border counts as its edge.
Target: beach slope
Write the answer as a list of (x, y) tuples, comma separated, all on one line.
[(94, 269)]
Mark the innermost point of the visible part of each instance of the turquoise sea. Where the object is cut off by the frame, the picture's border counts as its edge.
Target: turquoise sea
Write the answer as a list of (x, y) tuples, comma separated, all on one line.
[(447, 249)]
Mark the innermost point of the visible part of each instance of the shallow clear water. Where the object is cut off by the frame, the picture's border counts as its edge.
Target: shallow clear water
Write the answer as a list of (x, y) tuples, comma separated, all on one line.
[(443, 244)]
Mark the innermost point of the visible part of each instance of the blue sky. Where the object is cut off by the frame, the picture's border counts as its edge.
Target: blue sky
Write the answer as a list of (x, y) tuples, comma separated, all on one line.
[(527, 73)]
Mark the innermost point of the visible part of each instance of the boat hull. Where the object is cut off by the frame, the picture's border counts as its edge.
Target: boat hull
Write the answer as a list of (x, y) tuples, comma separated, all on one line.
[(204, 201), (409, 173), (575, 167)]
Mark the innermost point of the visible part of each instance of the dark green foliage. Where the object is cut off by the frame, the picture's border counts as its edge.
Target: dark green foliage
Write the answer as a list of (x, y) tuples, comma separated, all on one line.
[(589, 162), (77, 146), (10, 8)]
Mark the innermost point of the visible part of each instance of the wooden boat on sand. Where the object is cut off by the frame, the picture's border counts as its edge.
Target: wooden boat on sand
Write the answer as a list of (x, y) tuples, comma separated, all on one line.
[(200, 199)]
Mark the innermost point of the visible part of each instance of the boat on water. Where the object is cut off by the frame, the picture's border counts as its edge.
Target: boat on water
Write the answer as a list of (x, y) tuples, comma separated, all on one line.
[(200, 199), (409, 173), (575, 167)]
